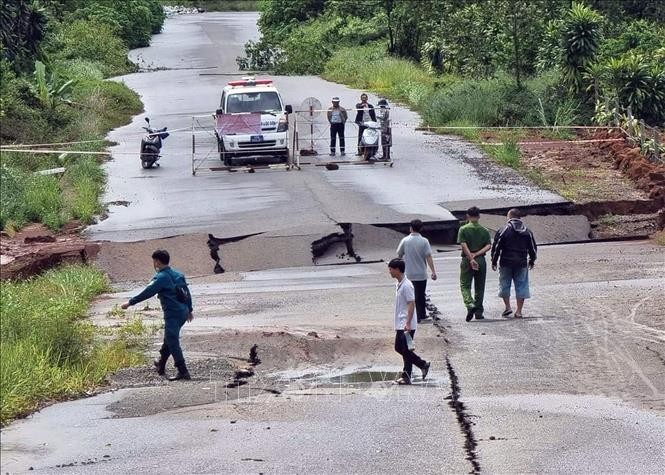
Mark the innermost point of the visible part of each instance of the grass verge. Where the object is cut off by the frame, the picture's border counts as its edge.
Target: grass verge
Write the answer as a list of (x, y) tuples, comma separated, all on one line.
[(48, 350), (100, 106)]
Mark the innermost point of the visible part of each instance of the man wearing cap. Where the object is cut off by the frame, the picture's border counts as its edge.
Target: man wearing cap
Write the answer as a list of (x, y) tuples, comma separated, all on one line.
[(337, 117)]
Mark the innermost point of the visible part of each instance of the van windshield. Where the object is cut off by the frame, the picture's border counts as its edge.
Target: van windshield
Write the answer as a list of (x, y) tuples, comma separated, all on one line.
[(253, 102)]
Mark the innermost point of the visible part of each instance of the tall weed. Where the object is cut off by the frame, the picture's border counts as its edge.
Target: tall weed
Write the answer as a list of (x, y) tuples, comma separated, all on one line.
[(48, 350)]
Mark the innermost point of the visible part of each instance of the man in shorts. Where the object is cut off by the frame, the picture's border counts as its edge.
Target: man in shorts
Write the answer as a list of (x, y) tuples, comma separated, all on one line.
[(514, 250)]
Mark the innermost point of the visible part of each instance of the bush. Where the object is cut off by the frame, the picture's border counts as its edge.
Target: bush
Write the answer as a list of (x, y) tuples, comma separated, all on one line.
[(134, 21), (370, 67), (48, 352), (94, 42), (43, 201), (86, 179)]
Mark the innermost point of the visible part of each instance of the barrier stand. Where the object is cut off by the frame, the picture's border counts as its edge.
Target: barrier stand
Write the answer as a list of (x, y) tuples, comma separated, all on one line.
[(206, 149), (317, 134)]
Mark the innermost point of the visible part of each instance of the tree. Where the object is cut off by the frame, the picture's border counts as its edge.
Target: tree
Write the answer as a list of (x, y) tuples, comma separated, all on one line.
[(23, 27), (581, 37)]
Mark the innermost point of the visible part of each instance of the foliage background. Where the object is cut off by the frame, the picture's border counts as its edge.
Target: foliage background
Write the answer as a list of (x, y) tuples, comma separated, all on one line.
[(55, 56), (491, 62)]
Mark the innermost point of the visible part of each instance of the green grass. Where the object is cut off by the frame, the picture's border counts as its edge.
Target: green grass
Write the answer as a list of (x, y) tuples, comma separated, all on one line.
[(53, 200), (369, 68), (49, 351)]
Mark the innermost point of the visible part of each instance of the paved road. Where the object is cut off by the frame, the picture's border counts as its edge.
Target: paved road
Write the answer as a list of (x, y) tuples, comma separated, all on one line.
[(170, 201), (577, 386)]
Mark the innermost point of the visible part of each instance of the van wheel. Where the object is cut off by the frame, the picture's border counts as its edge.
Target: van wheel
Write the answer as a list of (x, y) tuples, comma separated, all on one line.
[(224, 156)]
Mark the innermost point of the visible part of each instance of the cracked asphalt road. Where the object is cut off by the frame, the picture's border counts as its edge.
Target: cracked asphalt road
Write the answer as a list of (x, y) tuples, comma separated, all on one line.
[(169, 201), (571, 388), (577, 386)]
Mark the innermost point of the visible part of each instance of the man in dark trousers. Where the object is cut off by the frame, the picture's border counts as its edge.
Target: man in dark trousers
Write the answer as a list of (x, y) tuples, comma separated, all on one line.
[(171, 287), (364, 113), (417, 253), (475, 241), (337, 118), (514, 250), (405, 324)]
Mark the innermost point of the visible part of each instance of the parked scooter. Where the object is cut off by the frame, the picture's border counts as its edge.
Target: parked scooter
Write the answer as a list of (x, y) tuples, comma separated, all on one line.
[(151, 144), (370, 139)]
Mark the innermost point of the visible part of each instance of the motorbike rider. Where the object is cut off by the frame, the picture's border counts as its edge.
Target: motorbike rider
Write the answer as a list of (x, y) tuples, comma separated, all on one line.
[(383, 117), (364, 113)]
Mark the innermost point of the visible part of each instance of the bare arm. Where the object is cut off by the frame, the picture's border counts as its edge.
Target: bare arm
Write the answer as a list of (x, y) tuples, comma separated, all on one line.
[(467, 252), (430, 263), (409, 314)]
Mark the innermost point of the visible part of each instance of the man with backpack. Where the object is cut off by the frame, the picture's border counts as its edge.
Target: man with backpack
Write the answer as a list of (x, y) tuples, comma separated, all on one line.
[(176, 301)]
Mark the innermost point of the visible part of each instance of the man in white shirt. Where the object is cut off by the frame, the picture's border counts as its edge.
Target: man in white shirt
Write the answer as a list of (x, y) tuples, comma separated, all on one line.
[(417, 254), (405, 324)]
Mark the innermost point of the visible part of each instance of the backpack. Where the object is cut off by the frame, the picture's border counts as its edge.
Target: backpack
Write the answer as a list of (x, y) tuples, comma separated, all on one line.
[(181, 291)]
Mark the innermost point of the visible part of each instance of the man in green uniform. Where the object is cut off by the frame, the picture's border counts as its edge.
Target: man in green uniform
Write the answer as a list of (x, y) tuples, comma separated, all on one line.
[(475, 241)]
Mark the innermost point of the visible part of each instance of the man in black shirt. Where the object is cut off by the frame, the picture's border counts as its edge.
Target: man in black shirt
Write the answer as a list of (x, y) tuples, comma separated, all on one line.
[(514, 250)]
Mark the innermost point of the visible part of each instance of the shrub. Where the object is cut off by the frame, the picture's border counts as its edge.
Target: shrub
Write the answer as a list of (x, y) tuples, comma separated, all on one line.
[(86, 179), (43, 201), (93, 41), (134, 21), (47, 351)]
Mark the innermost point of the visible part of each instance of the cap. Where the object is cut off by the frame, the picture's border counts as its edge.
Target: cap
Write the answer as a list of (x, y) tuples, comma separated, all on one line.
[(335, 99)]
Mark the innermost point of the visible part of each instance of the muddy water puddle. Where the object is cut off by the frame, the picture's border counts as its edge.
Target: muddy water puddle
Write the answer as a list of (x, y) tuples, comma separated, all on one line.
[(365, 377)]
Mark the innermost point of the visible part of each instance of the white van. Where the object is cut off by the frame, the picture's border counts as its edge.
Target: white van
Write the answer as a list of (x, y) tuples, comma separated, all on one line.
[(252, 123)]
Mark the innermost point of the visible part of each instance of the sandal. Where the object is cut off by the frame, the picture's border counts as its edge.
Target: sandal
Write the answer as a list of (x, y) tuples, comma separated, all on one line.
[(519, 315), (507, 313)]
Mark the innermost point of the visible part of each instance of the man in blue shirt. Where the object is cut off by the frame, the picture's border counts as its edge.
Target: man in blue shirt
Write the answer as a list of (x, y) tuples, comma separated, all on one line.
[(171, 287)]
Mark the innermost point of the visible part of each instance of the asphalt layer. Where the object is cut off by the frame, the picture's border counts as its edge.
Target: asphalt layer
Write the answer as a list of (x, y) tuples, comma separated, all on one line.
[(169, 201), (576, 386)]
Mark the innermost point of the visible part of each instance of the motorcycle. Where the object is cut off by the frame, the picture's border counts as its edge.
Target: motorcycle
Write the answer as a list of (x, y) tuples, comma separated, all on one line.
[(151, 144), (370, 139)]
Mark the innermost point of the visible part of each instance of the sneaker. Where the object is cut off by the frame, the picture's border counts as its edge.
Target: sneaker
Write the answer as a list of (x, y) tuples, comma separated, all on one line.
[(343, 154), (469, 314), (480, 317), (425, 370), (507, 313), (332, 154), (403, 381)]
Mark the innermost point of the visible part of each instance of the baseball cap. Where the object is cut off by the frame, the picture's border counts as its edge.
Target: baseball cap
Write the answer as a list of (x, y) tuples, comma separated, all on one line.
[(335, 99)]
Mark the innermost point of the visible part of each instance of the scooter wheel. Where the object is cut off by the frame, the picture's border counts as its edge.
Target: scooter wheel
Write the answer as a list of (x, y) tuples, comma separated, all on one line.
[(146, 164)]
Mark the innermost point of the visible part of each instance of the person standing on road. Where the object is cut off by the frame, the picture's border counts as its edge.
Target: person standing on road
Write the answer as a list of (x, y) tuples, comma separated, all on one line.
[(417, 253), (364, 113), (405, 324), (383, 116), (337, 117), (176, 301), (513, 245), (475, 241)]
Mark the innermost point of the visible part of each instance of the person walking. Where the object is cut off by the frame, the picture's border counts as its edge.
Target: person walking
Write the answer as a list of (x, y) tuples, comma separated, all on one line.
[(364, 113), (417, 254), (337, 117), (405, 324), (176, 301), (475, 241), (514, 250)]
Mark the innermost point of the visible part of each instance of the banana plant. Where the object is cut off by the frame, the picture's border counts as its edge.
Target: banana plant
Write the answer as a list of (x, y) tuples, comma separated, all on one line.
[(49, 89)]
